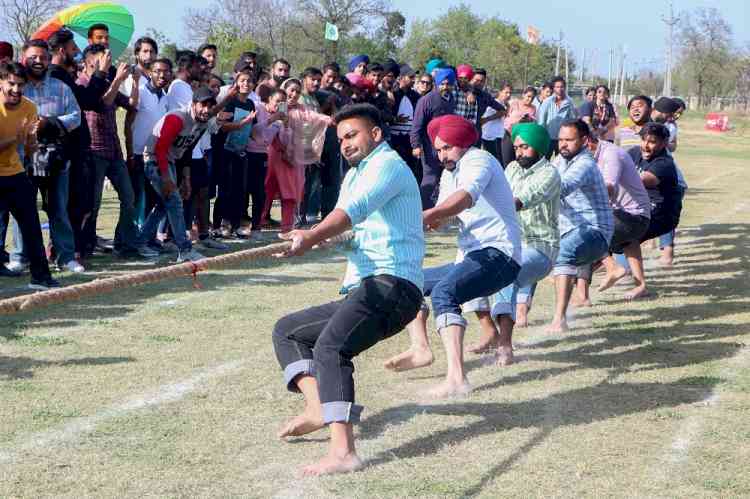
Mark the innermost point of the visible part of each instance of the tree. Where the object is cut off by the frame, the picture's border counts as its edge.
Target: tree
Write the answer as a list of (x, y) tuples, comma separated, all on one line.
[(706, 55), (167, 48), (22, 17)]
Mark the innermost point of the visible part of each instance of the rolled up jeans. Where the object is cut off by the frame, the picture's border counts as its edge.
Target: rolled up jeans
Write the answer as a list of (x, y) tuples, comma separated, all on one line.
[(534, 267), (171, 207), (481, 273), (578, 247), (321, 341)]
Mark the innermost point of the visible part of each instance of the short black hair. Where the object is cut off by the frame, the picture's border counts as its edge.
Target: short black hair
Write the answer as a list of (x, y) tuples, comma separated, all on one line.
[(38, 43), (375, 67), (164, 60), (504, 84), (94, 48), (364, 111), (145, 39), (12, 68), (581, 126), (97, 27), (186, 59), (644, 98), (214, 76), (248, 54), (59, 39), (311, 71), (282, 61), (529, 89), (680, 103), (206, 46), (247, 70), (555, 80), (480, 71), (605, 87), (590, 89), (547, 84), (332, 66), (654, 129)]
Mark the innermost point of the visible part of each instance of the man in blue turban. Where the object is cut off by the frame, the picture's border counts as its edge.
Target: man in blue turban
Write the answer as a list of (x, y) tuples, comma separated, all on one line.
[(358, 64)]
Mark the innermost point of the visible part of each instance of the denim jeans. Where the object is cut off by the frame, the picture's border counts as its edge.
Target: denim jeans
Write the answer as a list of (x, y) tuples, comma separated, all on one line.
[(322, 341), (481, 273), (578, 247), (535, 267), (61, 232), (18, 197), (126, 231), (171, 207), (310, 206), (144, 197), (255, 188)]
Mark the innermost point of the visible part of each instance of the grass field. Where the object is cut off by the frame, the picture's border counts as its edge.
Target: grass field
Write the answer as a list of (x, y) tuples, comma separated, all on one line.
[(168, 391)]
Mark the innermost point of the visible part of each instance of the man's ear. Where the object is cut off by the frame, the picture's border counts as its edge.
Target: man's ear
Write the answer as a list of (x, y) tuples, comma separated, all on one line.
[(376, 133)]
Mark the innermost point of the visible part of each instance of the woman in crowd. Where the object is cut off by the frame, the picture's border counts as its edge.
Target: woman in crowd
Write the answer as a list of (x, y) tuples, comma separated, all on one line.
[(519, 111)]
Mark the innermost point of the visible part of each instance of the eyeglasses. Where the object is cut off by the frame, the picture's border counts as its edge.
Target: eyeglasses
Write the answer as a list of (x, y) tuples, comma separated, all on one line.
[(425, 82)]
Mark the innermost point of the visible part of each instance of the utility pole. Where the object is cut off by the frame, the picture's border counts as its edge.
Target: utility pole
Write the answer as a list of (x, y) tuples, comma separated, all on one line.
[(566, 64), (671, 22), (557, 59), (609, 71)]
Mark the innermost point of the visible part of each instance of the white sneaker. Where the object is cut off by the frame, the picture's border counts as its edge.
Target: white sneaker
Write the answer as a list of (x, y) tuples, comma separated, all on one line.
[(16, 266), (75, 267), (189, 256)]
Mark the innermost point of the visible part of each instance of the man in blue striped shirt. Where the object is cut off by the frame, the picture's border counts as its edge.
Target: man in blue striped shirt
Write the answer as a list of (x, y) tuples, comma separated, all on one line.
[(586, 223), (380, 202)]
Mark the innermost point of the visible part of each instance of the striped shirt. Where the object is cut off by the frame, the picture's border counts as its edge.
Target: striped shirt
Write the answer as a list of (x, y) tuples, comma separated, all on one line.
[(538, 189), (382, 200), (584, 196), (491, 221), (54, 99)]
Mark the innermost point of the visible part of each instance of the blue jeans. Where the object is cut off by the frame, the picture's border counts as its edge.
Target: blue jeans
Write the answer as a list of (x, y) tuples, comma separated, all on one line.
[(171, 207), (481, 273), (535, 267), (60, 229), (580, 246)]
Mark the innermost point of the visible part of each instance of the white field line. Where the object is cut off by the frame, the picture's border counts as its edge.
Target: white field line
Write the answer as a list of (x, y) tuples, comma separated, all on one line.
[(162, 395)]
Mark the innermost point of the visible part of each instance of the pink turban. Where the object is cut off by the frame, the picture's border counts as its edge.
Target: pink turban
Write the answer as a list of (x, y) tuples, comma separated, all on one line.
[(465, 71)]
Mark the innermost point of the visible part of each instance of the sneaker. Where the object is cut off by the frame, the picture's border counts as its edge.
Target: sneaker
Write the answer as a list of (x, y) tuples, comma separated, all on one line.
[(6, 272), (210, 243), (104, 245), (170, 247), (75, 267), (146, 251), (15, 266), (43, 284), (243, 233), (189, 256)]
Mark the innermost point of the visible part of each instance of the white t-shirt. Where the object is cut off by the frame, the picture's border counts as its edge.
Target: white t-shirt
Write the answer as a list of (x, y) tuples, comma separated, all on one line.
[(494, 129), (151, 109), (180, 94), (492, 220)]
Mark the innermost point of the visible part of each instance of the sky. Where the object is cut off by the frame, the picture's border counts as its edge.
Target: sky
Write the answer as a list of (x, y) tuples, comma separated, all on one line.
[(599, 26)]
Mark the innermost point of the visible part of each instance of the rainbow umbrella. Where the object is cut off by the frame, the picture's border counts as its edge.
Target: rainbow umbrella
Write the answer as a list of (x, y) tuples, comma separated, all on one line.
[(80, 18)]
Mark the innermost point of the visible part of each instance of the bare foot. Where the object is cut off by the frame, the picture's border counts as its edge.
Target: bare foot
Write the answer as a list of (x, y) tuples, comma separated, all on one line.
[(332, 465), (612, 279), (557, 327), (449, 388), (413, 358), (665, 262), (504, 355), (301, 425), (577, 301), (637, 293), (485, 344)]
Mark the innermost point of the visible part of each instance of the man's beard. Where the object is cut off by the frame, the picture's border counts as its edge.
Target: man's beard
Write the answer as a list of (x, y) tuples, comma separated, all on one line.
[(570, 154), (279, 79), (527, 161)]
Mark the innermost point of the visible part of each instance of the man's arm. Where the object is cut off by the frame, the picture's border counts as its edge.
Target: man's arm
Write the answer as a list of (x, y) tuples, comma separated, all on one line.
[(337, 222), (418, 124), (71, 117), (539, 189), (114, 88), (452, 205), (129, 120), (574, 177)]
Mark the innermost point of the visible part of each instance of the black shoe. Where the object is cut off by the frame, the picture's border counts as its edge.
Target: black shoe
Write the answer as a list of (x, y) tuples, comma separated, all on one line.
[(6, 272), (43, 284)]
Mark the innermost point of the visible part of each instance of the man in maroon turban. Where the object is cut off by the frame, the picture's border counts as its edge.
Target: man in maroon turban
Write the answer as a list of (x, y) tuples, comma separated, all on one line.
[(473, 188)]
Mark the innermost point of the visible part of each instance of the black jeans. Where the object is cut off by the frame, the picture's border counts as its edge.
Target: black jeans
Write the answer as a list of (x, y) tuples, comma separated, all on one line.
[(492, 146), (255, 188), (322, 341), (18, 196), (507, 152)]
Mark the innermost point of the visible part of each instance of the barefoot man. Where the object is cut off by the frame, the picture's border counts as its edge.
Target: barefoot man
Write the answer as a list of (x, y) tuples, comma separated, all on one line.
[(536, 190), (380, 202), (659, 175), (473, 188), (586, 223)]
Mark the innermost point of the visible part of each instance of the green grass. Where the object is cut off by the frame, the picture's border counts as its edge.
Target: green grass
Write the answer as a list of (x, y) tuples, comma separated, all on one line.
[(168, 391)]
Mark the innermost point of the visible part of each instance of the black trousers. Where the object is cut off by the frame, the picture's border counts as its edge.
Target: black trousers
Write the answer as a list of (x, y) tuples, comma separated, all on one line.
[(402, 145), (506, 150), (322, 341), (18, 196), (255, 187)]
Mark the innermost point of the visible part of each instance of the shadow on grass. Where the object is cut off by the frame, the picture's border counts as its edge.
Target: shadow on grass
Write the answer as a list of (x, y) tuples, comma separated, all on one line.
[(23, 367), (643, 339)]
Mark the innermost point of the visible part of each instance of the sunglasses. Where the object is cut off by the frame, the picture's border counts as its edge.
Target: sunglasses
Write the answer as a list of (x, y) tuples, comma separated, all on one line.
[(425, 82)]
